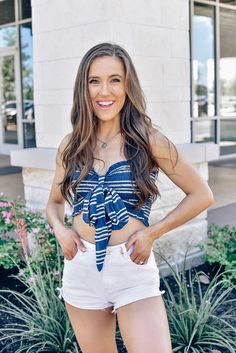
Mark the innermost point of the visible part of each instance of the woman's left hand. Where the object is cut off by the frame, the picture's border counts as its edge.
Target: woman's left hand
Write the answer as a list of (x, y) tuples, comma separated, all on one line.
[(142, 243)]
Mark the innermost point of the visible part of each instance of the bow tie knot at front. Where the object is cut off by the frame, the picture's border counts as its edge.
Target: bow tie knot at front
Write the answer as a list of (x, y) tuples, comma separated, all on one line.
[(104, 203), (104, 208)]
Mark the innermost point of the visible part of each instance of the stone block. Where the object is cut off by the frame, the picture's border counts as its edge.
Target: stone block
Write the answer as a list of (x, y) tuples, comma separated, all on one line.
[(175, 114), (57, 14), (56, 74), (150, 41), (157, 91), (180, 44), (176, 72), (174, 245), (52, 45), (53, 97), (122, 33), (149, 69), (35, 178), (142, 12), (175, 14)]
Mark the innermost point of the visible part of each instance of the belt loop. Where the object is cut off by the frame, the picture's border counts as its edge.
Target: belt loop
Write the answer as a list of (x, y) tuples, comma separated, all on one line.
[(123, 248)]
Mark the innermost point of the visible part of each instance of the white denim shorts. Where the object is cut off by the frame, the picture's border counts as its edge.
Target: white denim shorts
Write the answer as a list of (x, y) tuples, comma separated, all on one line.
[(120, 282)]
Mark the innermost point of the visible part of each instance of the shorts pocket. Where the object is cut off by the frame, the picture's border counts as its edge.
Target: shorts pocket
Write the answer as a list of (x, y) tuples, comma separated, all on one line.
[(75, 257), (129, 252)]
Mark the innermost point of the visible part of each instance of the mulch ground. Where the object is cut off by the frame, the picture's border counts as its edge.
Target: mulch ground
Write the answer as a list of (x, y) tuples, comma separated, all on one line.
[(14, 284)]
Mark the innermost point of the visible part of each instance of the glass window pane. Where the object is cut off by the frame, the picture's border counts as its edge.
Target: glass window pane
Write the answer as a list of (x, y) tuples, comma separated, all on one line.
[(26, 64), (29, 135), (24, 9), (231, 2), (227, 136), (204, 60), (7, 36), (7, 11), (204, 131), (8, 108), (27, 83), (227, 63)]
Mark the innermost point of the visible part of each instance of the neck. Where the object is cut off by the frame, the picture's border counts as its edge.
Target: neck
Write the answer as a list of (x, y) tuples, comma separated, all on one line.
[(106, 130)]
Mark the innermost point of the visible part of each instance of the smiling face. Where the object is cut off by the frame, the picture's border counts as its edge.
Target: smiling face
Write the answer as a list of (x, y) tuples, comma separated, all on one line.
[(106, 85)]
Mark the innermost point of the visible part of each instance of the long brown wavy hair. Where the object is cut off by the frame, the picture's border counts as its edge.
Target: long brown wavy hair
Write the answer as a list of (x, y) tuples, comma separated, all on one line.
[(135, 127)]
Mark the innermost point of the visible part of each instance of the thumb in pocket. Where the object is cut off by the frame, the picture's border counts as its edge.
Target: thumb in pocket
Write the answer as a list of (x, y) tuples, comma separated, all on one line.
[(80, 244)]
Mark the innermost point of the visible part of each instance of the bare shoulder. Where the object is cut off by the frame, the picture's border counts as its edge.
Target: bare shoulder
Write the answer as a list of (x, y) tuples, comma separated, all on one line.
[(63, 144), (161, 145), (176, 167)]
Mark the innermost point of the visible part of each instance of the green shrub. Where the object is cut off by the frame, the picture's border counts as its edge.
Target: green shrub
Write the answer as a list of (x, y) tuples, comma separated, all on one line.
[(25, 222), (40, 319), (200, 322), (221, 248), (9, 253)]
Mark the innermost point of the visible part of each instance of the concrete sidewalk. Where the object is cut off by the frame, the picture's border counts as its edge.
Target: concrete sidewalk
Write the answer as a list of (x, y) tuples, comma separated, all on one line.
[(222, 181)]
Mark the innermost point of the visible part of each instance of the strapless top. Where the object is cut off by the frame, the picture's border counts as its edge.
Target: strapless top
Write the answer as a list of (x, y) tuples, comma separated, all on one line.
[(106, 202)]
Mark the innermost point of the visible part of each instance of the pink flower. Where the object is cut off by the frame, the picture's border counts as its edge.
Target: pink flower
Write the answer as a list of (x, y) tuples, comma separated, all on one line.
[(48, 227), (7, 221), (21, 272), (4, 204), (1, 193), (32, 209), (32, 279), (35, 230), (7, 215)]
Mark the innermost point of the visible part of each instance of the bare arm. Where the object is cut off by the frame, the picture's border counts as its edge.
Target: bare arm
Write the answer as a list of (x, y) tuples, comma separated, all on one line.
[(198, 193), (55, 211), (56, 204)]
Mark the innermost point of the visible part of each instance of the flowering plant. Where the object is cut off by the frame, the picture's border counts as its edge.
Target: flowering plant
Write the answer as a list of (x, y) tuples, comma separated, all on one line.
[(27, 223)]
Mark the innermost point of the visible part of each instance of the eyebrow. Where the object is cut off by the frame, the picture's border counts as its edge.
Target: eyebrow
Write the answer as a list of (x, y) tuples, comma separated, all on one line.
[(109, 76)]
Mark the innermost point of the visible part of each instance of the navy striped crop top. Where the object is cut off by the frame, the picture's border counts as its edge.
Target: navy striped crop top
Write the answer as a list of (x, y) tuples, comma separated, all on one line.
[(107, 201)]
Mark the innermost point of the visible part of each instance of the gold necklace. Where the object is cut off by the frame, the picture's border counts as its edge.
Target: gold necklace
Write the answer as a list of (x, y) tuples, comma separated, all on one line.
[(104, 144)]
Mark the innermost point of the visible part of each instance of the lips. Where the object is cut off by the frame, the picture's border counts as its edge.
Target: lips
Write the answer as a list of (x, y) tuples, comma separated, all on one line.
[(105, 105)]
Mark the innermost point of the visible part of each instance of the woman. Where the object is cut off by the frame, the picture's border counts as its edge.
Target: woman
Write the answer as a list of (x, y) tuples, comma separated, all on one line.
[(106, 169)]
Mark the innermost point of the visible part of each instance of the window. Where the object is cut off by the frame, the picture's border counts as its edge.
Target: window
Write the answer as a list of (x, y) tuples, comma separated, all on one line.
[(7, 11), (7, 36), (227, 77), (213, 64)]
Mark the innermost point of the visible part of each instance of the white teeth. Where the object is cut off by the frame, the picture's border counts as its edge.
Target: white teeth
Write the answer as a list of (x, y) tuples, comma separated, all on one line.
[(105, 103)]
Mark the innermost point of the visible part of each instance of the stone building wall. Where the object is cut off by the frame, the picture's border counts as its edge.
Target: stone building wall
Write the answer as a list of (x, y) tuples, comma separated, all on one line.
[(156, 35)]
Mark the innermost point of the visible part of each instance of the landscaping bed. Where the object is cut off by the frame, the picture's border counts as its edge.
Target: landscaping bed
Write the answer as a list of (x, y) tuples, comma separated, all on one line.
[(13, 284)]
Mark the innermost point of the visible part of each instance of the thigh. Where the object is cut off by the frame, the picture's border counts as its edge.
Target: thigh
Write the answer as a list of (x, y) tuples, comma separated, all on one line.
[(94, 329), (144, 326)]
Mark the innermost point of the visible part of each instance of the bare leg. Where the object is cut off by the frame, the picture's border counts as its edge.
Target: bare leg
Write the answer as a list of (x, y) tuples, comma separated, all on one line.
[(144, 326), (94, 329)]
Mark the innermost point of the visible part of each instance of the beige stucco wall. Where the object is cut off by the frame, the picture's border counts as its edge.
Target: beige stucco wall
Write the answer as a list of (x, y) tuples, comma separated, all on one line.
[(156, 37)]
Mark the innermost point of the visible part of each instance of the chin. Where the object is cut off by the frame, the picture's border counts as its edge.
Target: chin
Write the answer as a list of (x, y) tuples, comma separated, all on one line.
[(106, 118)]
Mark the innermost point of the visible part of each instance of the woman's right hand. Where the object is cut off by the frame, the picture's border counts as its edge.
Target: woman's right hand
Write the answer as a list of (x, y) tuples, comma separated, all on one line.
[(69, 241)]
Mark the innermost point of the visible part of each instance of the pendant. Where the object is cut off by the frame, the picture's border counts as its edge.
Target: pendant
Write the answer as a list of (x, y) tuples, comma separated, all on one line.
[(104, 145)]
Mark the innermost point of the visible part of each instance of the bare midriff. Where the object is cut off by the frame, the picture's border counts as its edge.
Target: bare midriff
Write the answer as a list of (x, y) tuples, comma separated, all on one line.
[(87, 232)]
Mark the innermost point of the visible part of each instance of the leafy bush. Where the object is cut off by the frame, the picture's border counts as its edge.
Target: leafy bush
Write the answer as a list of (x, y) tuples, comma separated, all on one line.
[(28, 224), (41, 321), (221, 248), (9, 253), (200, 321)]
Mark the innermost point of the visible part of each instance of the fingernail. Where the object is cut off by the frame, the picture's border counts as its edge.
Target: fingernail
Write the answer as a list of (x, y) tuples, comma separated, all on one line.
[(84, 249)]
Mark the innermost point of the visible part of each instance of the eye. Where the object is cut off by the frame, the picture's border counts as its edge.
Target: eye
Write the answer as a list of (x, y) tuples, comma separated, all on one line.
[(116, 80), (93, 81)]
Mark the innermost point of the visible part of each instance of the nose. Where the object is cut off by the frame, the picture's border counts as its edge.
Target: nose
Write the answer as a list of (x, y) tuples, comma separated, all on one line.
[(104, 89)]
